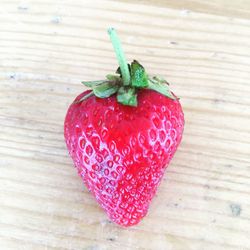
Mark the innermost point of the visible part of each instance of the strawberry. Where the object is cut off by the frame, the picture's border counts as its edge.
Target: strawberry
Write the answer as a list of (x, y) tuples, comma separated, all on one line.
[(121, 135)]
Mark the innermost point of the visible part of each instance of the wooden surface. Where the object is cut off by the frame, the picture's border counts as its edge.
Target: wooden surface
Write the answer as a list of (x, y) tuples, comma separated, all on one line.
[(48, 47)]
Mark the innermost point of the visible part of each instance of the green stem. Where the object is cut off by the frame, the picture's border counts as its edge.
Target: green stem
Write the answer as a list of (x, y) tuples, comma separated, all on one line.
[(120, 56)]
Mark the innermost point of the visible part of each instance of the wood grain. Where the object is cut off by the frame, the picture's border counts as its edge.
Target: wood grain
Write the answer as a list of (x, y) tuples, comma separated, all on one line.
[(47, 48), (218, 7)]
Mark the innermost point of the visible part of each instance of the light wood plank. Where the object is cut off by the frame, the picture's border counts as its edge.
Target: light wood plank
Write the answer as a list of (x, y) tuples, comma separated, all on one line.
[(48, 48)]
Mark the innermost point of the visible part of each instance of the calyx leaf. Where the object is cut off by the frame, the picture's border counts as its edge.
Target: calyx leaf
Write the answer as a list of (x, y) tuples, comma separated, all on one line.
[(111, 77), (160, 87), (139, 77), (160, 79), (127, 96), (94, 83), (105, 90)]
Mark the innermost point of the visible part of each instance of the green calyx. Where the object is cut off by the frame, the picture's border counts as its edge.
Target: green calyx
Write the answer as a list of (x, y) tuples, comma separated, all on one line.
[(127, 80)]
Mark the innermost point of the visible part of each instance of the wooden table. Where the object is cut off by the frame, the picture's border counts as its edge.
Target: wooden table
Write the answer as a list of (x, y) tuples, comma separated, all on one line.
[(201, 47)]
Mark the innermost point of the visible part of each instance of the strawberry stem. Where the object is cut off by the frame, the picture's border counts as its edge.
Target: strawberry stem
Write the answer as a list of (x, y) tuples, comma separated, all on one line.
[(129, 78), (120, 56)]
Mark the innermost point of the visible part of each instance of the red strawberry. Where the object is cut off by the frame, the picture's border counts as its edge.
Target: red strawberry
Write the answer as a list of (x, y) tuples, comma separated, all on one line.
[(121, 137)]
